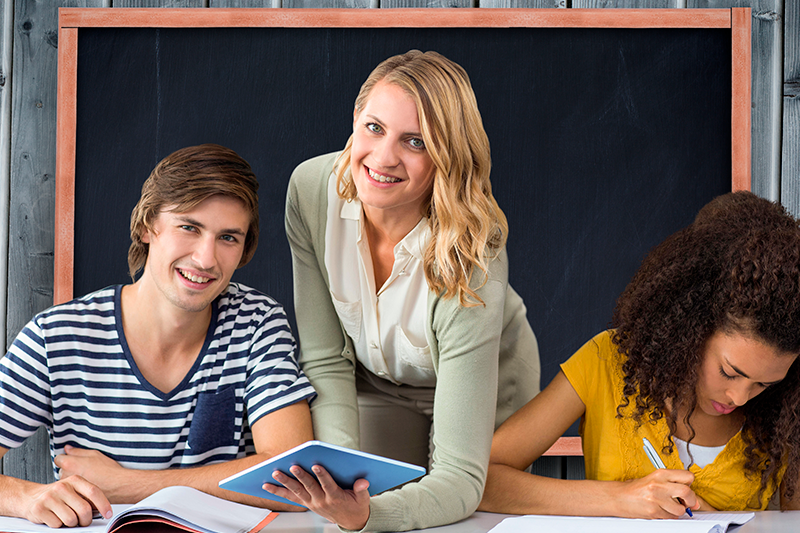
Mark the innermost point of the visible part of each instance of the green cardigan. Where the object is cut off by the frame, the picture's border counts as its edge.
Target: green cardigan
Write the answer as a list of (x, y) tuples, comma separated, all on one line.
[(473, 349)]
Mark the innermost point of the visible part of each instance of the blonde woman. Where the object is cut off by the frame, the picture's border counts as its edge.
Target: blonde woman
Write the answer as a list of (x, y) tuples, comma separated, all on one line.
[(409, 331)]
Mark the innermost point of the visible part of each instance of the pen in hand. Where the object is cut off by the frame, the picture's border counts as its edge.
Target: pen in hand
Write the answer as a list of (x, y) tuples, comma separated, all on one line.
[(656, 461)]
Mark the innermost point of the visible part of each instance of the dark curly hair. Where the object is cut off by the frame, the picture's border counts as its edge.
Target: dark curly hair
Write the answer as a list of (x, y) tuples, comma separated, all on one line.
[(735, 269)]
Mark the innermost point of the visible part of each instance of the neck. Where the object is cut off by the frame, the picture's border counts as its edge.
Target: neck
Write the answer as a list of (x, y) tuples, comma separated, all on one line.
[(163, 329), (389, 227)]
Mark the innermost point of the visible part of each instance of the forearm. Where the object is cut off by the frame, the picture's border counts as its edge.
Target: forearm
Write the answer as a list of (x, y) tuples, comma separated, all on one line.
[(513, 491), (133, 485)]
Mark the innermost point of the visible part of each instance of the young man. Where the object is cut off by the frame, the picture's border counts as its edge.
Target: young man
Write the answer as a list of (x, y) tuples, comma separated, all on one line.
[(181, 378)]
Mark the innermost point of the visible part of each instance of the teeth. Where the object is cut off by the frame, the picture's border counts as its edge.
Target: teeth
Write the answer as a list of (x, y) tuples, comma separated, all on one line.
[(192, 277), (381, 178)]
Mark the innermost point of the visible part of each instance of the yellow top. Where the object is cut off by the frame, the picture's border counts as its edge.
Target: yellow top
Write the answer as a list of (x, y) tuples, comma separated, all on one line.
[(612, 447)]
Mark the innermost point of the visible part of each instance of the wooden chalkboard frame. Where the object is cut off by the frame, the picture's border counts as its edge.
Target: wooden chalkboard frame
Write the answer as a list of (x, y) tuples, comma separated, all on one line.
[(72, 20)]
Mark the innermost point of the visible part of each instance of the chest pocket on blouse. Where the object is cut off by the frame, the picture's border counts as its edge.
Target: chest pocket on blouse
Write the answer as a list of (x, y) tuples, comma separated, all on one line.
[(417, 356), (350, 314), (213, 423)]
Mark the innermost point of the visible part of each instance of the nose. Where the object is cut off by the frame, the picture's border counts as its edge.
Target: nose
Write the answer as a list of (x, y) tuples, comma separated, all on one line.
[(739, 395), (385, 153), (205, 253)]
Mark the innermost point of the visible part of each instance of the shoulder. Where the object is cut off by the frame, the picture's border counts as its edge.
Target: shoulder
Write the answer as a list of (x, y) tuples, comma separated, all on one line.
[(93, 306), (243, 302), (597, 361), (314, 171)]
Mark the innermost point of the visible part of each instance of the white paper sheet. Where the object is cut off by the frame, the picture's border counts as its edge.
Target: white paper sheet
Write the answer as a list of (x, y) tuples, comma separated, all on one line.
[(701, 523)]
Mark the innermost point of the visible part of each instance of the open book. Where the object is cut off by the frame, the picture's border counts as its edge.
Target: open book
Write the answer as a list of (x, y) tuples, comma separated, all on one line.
[(701, 523), (171, 509)]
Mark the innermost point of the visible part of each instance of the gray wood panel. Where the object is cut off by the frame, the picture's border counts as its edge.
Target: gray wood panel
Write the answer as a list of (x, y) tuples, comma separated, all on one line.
[(159, 3), (32, 199), (244, 3), (638, 4), (6, 47), (358, 4), (539, 4), (767, 21), (790, 174), (388, 4)]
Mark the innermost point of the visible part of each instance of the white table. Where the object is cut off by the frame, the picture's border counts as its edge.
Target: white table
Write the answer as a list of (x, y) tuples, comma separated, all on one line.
[(764, 522)]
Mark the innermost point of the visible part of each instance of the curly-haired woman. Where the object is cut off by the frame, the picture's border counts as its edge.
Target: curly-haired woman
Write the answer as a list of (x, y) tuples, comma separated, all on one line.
[(701, 361)]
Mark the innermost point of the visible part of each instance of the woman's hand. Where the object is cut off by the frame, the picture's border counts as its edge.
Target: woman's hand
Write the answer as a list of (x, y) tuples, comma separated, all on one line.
[(347, 508), (662, 494)]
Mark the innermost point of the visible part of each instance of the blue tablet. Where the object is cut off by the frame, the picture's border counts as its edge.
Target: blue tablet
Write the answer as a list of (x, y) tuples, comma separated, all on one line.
[(344, 465)]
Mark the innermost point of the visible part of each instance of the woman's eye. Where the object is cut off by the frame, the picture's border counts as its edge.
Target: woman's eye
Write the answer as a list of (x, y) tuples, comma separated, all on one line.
[(417, 143), (374, 128), (724, 374)]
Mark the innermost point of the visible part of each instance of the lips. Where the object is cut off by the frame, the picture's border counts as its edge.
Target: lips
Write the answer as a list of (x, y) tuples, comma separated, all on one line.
[(194, 278), (722, 408), (381, 178)]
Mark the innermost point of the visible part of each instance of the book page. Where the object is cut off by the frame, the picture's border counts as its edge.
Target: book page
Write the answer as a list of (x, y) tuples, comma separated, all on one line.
[(199, 510), (704, 523)]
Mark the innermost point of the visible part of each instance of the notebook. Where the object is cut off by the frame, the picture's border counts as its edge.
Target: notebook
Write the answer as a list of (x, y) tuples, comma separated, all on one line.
[(171, 509), (701, 523), (344, 465)]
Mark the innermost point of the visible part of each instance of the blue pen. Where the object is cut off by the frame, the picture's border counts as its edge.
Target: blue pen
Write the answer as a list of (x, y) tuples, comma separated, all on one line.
[(655, 459)]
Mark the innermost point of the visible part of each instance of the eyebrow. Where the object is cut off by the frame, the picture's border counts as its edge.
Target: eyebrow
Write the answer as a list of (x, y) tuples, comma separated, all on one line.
[(408, 133), (748, 377), (193, 222)]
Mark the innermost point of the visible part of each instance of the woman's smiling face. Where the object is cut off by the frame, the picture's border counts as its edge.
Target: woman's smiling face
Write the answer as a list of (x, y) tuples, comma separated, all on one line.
[(391, 168)]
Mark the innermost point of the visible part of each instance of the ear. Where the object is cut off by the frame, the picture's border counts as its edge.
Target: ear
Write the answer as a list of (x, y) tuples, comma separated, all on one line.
[(355, 117), (145, 236)]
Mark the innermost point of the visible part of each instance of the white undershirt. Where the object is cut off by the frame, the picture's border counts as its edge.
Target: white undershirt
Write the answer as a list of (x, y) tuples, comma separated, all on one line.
[(387, 326), (702, 455)]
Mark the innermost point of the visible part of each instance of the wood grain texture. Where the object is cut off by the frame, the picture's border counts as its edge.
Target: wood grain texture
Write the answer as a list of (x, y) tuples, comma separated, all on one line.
[(64, 264), (616, 4), (536, 4), (398, 18), (790, 156), (158, 3), (32, 198), (766, 31), (389, 4), (244, 3), (6, 47), (347, 4)]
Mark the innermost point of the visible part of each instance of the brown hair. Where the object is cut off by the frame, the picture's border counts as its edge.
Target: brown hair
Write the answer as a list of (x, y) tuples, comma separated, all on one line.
[(183, 180), (735, 269), (467, 225)]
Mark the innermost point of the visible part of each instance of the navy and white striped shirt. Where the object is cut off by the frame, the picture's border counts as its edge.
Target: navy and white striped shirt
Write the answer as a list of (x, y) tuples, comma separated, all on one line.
[(71, 371)]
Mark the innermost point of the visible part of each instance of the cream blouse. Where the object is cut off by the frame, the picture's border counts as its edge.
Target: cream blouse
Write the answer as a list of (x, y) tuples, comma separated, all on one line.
[(386, 324)]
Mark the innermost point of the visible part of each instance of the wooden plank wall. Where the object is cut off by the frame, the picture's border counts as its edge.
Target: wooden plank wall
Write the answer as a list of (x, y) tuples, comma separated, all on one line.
[(28, 41)]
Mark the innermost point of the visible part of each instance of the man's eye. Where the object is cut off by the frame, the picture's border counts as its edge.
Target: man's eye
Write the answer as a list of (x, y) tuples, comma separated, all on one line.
[(228, 238), (187, 227)]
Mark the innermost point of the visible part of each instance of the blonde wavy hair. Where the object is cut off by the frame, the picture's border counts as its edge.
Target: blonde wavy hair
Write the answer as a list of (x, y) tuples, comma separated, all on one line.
[(468, 227)]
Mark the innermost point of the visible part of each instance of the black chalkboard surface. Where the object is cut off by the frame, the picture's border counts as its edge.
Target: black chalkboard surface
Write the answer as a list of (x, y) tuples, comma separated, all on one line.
[(604, 140)]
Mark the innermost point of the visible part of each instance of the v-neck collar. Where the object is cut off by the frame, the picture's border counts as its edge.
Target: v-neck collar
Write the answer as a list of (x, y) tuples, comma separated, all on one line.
[(164, 396)]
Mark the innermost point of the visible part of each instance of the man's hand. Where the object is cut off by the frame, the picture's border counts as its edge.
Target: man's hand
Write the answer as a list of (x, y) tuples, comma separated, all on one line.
[(69, 502), (98, 469)]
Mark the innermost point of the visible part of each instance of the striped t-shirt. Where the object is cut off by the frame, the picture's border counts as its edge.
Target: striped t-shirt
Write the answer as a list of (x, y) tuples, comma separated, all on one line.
[(71, 371)]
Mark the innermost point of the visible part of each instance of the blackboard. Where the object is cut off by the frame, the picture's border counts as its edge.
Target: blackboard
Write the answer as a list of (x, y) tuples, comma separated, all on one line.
[(604, 139)]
